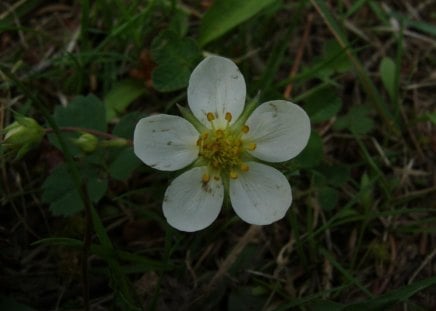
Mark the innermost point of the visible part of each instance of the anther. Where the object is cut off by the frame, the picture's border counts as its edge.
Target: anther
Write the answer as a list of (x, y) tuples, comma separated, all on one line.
[(228, 116), (245, 129), (251, 146), (205, 178), (244, 167), (210, 116), (233, 175)]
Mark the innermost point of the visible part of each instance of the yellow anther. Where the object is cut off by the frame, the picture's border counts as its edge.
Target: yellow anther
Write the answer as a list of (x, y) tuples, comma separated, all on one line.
[(233, 175), (244, 167), (251, 146), (219, 133), (245, 129), (210, 116), (205, 178), (228, 116)]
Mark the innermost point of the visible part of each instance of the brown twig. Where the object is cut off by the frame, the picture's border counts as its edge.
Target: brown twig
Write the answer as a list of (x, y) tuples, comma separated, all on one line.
[(298, 57)]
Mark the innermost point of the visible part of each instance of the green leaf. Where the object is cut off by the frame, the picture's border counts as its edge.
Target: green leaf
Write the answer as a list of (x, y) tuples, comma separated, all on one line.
[(176, 57), (126, 126), (63, 197), (312, 155), (336, 174), (356, 121), (124, 164), (322, 105), (328, 198), (87, 112), (227, 14), (388, 73), (121, 96), (431, 116), (82, 112)]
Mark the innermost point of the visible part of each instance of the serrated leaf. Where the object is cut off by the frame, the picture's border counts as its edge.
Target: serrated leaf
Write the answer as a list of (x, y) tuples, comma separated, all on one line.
[(227, 14), (312, 155), (322, 105), (60, 192), (82, 111), (176, 57), (121, 96), (125, 127), (328, 198), (388, 73), (124, 164), (356, 121)]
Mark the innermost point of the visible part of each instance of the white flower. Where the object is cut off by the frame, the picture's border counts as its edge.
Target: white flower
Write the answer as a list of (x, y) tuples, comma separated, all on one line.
[(223, 144)]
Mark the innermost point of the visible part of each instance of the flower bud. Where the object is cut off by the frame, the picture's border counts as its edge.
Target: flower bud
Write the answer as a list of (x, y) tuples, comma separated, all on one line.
[(22, 135), (86, 142)]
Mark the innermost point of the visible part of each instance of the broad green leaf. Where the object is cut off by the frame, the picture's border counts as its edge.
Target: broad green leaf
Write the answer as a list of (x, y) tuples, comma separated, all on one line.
[(176, 57), (82, 111), (328, 198), (124, 164), (431, 116), (356, 121), (60, 192), (312, 155), (322, 105), (227, 14), (121, 96), (336, 174), (125, 127), (388, 73)]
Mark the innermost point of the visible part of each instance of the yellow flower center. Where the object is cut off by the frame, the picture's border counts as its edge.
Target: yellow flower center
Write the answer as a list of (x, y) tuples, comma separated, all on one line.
[(223, 149)]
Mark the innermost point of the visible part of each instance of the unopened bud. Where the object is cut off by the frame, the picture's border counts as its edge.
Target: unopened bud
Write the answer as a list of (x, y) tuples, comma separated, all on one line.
[(86, 142), (22, 135)]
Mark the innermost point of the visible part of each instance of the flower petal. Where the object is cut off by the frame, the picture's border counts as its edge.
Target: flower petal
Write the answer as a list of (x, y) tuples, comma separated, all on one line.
[(190, 204), (280, 130), (165, 142), (216, 85), (260, 196)]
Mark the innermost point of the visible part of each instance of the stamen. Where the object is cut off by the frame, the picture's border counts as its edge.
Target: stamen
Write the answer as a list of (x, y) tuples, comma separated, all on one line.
[(244, 167), (205, 178), (251, 146), (233, 175), (245, 129), (210, 116), (228, 116)]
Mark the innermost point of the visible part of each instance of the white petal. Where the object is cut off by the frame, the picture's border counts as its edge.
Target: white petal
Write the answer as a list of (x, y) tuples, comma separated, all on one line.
[(191, 205), (165, 142), (216, 85), (260, 196), (280, 130)]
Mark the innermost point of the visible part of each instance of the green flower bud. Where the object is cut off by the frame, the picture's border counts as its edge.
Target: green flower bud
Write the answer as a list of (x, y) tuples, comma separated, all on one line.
[(22, 135), (86, 142)]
